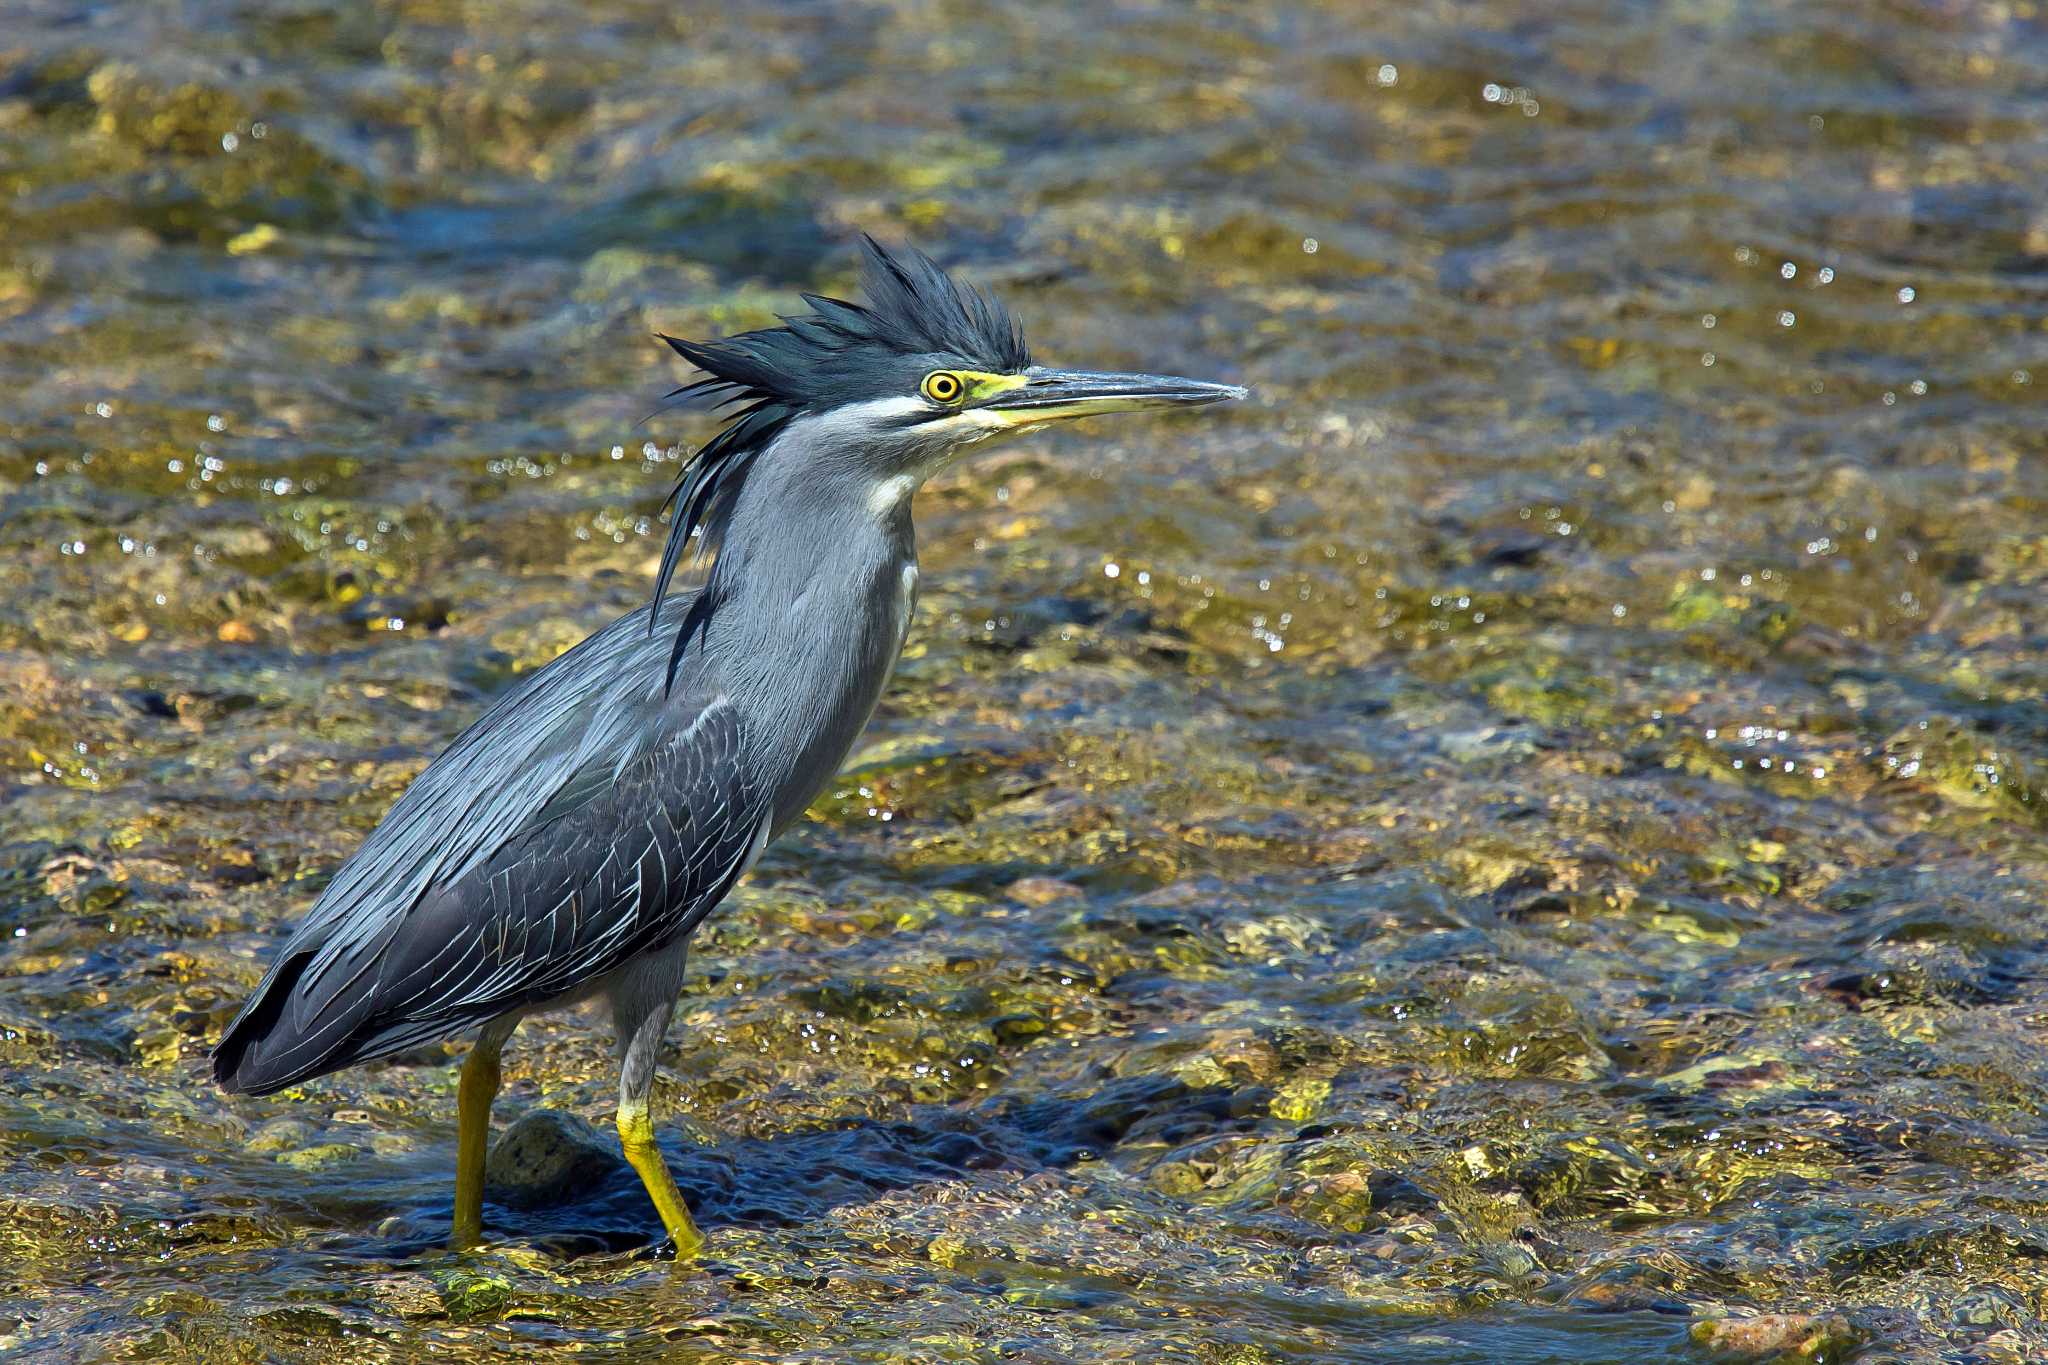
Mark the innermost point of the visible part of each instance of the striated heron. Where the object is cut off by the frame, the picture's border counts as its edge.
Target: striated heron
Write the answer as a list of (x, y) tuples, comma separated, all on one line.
[(566, 845)]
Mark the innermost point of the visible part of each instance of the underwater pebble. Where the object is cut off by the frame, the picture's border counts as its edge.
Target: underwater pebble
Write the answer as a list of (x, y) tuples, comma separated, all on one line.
[(1042, 890), (1775, 1336), (280, 1135), (325, 1154)]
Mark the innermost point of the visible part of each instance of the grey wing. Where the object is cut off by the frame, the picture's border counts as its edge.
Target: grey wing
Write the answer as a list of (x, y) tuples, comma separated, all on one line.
[(589, 816), (549, 739)]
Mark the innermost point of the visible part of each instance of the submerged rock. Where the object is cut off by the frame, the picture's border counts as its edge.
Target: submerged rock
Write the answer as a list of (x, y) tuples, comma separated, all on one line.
[(280, 1135), (548, 1158), (1777, 1336), (321, 1155)]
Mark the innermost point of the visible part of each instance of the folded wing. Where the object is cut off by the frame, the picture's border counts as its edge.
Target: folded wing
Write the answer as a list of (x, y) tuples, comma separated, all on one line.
[(590, 815)]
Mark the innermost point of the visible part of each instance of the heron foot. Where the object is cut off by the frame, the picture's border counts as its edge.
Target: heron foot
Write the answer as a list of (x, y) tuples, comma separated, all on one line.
[(636, 1139)]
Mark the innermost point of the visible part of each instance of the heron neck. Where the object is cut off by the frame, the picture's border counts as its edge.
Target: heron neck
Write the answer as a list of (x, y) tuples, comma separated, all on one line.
[(816, 574)]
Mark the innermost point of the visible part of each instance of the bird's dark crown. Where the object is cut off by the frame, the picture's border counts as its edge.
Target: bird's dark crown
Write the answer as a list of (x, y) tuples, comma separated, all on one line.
[(916, 319)]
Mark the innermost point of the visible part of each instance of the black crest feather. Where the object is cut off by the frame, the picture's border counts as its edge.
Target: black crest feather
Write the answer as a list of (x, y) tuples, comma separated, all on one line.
[(916, 318)]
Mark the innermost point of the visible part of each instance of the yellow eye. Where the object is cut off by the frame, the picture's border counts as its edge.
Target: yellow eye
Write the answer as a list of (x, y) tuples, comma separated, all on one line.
[(943, 386)]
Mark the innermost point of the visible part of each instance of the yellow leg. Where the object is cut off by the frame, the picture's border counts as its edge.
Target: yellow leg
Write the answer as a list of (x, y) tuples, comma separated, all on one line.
[(636, 1137), (473, 1096)]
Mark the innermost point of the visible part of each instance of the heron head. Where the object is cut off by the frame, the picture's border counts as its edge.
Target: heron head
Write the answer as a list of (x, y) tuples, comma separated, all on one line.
[(897, 385), (927, 365)]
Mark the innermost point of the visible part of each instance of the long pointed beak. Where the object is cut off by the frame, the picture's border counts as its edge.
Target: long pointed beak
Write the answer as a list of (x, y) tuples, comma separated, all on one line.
[(1051, 395)]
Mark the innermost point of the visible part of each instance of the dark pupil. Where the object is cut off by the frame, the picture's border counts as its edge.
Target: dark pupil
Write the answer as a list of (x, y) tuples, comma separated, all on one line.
[(943, 386)]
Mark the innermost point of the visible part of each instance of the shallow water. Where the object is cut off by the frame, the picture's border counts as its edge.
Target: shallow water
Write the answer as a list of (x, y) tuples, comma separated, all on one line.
[(1519, 843)]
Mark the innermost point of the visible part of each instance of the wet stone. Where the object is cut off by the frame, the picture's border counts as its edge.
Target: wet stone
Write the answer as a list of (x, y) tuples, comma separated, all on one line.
[(1776, 1337), (320, 1156), (1016, 1028), (546, 1158), (408, 1294), (1987, 1308), (1042, 890), (280, 1135)]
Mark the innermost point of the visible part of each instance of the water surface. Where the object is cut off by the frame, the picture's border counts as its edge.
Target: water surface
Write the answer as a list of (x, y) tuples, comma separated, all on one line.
[(1520, 843)]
